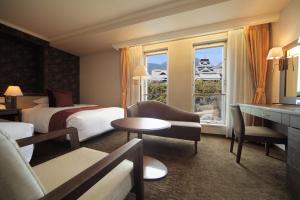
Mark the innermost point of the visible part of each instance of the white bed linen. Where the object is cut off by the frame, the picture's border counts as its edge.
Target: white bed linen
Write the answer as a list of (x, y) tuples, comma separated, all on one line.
[(18, 130), (88, 122)]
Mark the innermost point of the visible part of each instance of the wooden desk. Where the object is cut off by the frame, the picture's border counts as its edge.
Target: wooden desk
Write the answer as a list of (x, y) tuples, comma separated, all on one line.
[(286, 119)]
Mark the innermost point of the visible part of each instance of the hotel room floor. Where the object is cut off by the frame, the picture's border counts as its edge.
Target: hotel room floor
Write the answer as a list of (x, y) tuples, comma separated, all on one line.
[(211, 174)]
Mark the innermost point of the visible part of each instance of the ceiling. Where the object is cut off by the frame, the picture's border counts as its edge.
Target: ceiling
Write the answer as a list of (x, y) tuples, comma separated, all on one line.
[(83, 27)]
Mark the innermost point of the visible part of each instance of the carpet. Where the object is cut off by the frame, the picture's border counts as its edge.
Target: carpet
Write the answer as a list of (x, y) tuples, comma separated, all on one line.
[(211, 174)]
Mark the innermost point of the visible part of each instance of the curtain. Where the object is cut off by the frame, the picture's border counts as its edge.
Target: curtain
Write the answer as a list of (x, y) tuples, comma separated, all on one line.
[(257, 47), (239, 85), (136, 58), (125, 71)]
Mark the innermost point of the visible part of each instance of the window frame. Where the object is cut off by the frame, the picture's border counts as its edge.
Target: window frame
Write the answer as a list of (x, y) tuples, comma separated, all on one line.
[(151, 53), (224, 80)]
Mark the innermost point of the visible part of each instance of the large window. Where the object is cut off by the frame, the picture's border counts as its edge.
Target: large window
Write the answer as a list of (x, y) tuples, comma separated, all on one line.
[(209, 89), (157, 63)]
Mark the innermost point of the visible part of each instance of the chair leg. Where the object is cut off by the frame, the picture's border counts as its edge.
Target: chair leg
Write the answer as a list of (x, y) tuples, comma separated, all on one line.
[(128, 136), (239, 150), (267, 148), (196, 147), (286, 151), (232, 141)]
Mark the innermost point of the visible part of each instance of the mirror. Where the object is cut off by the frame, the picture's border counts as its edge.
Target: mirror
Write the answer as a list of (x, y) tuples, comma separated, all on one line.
[(290, 74)]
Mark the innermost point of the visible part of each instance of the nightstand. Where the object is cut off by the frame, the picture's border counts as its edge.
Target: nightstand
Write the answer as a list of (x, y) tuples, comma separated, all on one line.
[(13, 114)]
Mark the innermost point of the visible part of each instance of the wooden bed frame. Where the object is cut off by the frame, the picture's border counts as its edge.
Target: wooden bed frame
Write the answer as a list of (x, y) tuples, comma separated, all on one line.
[(82, 182)]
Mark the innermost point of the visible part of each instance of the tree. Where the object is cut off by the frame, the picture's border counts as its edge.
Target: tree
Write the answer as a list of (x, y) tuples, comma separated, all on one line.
[(157, 91)]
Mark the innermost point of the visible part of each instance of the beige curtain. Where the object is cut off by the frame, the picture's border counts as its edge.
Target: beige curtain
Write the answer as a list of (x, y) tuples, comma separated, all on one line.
[(125, 71), (239, 87), (136, 58), (257, 48)]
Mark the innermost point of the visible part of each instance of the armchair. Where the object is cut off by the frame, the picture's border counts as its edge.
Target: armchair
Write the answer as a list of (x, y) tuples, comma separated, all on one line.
[(80, 174), (184, 125)]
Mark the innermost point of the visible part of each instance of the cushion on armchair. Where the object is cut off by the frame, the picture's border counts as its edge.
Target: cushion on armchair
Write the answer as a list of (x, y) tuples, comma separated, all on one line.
[(17, 180)]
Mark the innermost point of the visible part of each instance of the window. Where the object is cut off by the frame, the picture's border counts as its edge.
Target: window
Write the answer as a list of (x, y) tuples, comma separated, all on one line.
[(157, 83), (209, 89)]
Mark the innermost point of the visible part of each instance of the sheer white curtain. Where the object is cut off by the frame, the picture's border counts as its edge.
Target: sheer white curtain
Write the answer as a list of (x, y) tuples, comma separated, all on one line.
[(239, 81), (136, 58)]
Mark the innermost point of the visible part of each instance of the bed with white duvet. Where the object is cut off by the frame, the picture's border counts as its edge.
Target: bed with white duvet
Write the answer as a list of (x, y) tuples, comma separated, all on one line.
[(89, 123)]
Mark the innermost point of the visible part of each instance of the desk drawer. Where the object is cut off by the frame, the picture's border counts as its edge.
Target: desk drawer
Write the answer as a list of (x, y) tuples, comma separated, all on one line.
[(295, 121), (246, 109), (272, 116), (257, 112)]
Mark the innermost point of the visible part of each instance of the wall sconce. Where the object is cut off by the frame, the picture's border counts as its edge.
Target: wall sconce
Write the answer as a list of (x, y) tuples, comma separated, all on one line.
[(275, 54), (292, 53)]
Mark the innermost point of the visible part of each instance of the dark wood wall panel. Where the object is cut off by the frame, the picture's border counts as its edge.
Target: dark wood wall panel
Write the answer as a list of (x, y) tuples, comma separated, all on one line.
[(34, 65), (20, 65), (61, 71)]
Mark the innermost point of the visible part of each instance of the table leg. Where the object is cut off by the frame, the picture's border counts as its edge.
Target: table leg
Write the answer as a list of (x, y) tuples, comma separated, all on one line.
[(140, 135), (154, 169), (128, 136)]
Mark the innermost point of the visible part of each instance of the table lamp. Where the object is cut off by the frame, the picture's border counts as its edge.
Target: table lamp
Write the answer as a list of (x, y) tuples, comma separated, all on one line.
[(140, 73), (11, 94)]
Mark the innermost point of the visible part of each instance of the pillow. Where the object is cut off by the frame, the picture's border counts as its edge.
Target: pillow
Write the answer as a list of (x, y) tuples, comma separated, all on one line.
[(63, 98), (51, 98), (43, 100)]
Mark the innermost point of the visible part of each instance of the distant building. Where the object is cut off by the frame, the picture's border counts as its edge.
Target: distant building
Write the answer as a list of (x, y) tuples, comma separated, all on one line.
[(158, 75), (205, 71)]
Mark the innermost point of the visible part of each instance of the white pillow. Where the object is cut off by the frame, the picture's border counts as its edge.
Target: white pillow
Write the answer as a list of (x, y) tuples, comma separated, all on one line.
[(43, 100)]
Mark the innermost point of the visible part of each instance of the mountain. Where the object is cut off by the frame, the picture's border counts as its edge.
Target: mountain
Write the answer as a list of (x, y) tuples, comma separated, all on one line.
[(152, 66)]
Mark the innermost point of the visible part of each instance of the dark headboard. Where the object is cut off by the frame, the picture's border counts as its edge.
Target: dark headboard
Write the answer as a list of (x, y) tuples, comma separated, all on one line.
[(32, 64)]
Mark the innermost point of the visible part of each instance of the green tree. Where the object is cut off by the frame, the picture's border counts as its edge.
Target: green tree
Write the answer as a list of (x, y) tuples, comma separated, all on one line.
[(208, 87), (157, 91)]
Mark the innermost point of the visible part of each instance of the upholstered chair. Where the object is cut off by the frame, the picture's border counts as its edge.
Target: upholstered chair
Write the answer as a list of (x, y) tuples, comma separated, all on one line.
[(252, 133), (80, 174)]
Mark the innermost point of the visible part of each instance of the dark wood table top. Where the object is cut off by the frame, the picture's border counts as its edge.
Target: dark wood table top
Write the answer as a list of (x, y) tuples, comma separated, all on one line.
[(140, 124)]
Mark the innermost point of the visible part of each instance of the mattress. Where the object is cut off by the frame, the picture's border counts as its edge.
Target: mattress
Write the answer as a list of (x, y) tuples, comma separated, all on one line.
[(18, 130), (89, 123)]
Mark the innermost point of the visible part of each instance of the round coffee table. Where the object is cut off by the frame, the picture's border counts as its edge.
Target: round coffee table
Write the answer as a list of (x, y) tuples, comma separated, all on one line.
[(153, 168)]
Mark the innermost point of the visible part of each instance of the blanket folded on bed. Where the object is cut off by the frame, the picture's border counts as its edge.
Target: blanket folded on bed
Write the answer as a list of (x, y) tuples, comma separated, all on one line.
[(59, 119)]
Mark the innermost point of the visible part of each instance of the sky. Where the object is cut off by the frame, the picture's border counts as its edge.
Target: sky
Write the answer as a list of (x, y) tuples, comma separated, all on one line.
[(215, 55), (157, 59)]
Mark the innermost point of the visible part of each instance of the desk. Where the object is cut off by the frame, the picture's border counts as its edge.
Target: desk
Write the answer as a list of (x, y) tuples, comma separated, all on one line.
[(286, 119)]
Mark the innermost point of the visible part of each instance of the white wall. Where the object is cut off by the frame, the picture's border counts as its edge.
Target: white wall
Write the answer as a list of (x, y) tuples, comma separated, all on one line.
[(100, 77), (286, 30)]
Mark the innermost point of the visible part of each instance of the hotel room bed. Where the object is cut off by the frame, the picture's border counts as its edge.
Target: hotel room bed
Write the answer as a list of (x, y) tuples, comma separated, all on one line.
[(88, 122)]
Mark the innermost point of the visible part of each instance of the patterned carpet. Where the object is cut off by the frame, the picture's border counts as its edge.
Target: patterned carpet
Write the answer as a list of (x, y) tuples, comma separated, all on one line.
[(212, 174)]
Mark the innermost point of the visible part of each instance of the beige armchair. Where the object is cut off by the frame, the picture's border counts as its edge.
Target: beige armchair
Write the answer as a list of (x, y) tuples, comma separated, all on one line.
[(80, 174), (184, 125)]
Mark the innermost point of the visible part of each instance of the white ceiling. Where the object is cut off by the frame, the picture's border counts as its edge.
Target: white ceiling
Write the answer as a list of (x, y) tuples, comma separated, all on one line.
[(85, 26)]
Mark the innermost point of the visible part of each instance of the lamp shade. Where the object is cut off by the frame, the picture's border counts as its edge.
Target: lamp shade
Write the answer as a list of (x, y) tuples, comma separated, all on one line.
[(275, 53), (299, 40), (140, 72), (13, 91)]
